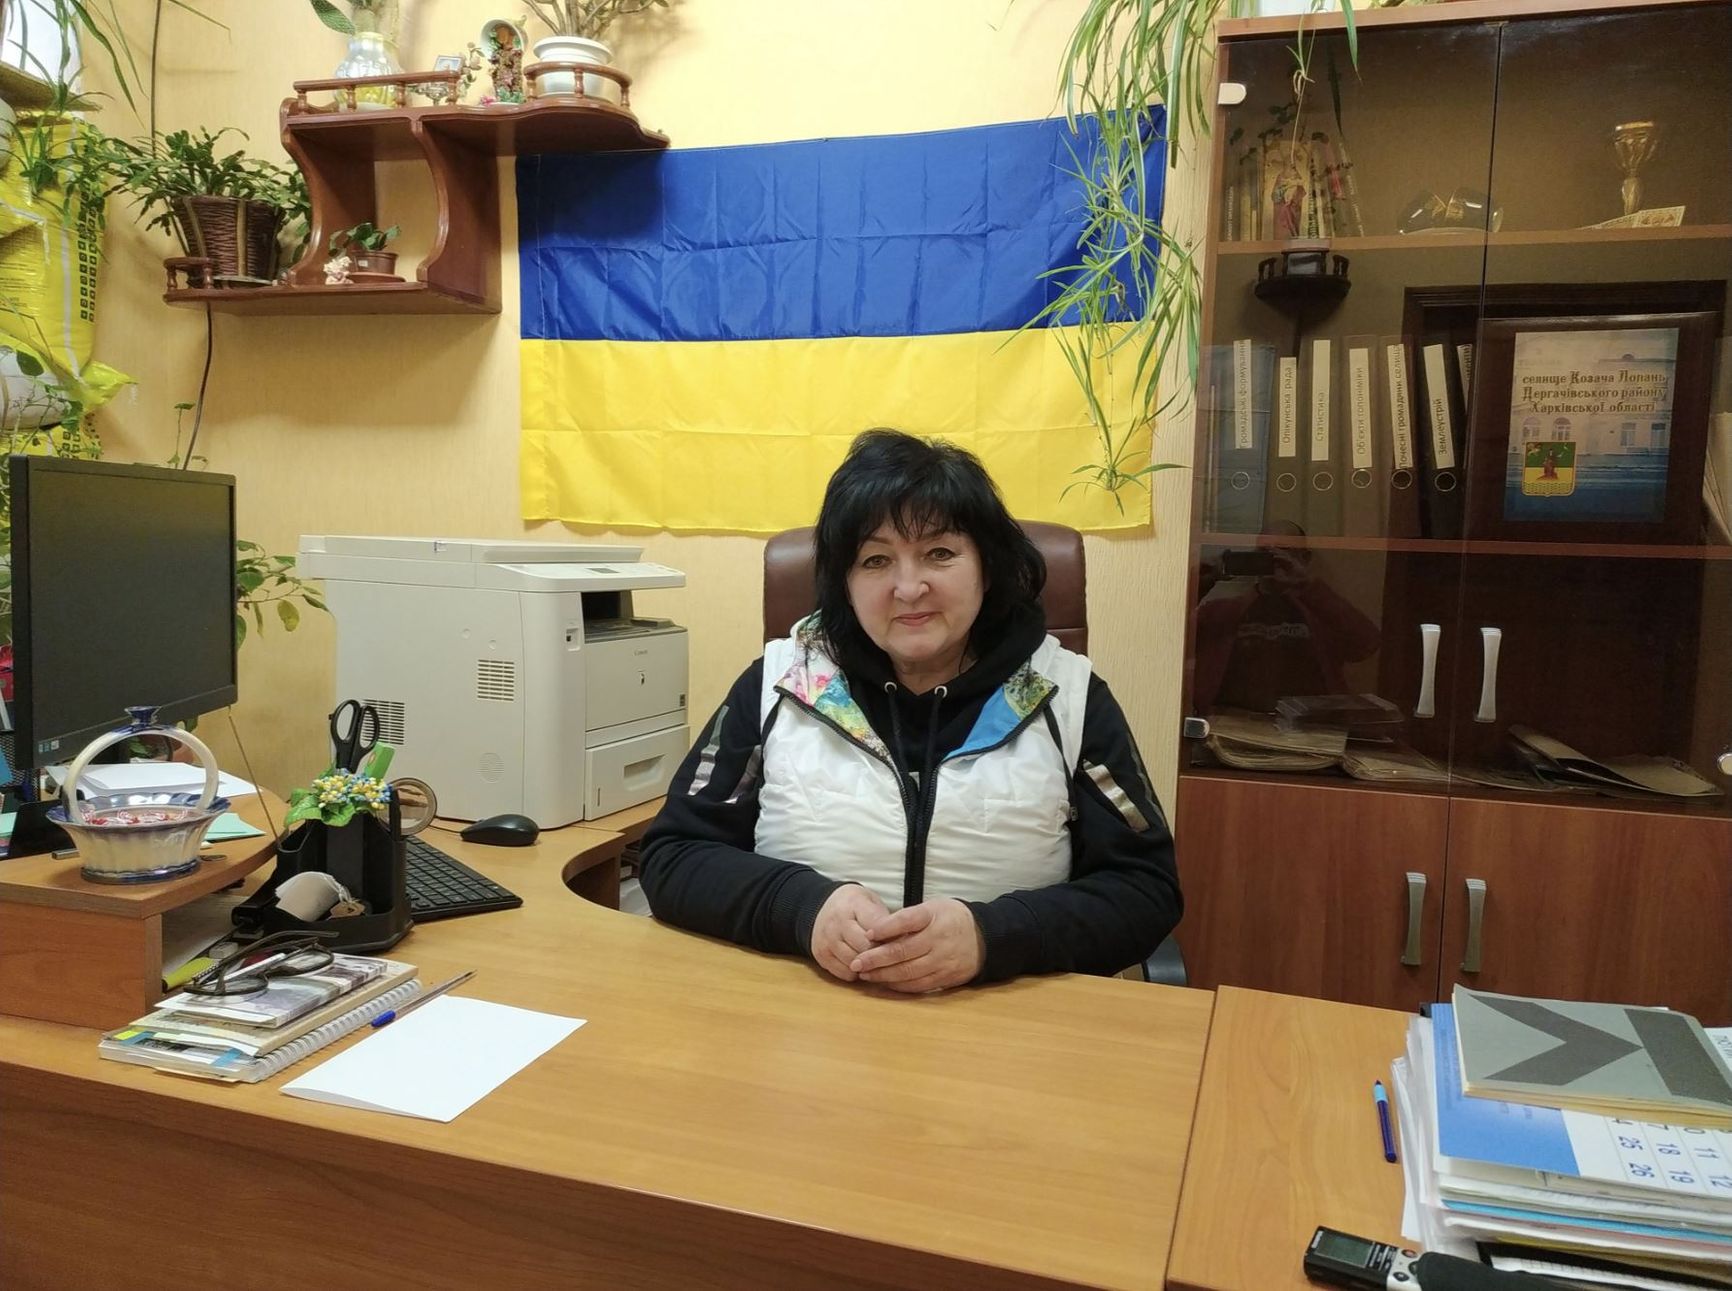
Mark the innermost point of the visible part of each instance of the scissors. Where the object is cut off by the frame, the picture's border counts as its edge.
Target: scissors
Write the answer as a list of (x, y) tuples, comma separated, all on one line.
[(354, 732)]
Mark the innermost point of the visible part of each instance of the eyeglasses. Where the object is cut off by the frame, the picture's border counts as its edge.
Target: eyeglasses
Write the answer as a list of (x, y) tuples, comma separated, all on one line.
[(248, 970)]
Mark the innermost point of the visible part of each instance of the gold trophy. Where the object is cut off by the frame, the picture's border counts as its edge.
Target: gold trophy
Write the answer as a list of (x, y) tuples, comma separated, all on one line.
[(1635, 142)]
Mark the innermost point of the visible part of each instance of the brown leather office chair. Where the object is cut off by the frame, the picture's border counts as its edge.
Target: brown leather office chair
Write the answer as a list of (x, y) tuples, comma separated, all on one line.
[(790, 593)]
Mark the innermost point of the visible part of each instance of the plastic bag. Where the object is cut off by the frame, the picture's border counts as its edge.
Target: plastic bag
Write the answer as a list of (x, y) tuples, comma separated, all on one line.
[(50, 254)]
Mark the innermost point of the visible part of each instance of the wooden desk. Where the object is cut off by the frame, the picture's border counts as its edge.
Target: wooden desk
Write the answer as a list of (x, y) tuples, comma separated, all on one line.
[(726, 1119), (1285, 1139)]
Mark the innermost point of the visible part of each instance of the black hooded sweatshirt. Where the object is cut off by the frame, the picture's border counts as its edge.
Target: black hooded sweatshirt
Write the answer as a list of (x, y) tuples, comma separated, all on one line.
[(699, 871)]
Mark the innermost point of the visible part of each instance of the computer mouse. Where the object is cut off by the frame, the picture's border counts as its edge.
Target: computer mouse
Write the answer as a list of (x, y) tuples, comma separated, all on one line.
[(509, 830)]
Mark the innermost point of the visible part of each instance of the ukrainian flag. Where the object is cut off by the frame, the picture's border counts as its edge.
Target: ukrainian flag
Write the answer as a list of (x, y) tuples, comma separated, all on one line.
[(706, 330)]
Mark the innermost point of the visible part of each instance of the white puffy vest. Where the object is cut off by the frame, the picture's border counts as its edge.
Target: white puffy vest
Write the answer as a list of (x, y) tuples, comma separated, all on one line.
[(999, 817)]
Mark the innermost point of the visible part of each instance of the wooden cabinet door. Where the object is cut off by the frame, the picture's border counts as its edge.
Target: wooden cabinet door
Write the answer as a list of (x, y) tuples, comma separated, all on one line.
[(1303, 888), (1593, 903)]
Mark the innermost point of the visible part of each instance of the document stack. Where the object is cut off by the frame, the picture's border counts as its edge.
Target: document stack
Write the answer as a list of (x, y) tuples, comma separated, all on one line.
[(252, 1037), (1597, 1199)]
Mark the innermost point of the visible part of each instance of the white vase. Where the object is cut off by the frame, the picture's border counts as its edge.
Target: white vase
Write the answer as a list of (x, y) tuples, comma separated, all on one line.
[(577, 49)]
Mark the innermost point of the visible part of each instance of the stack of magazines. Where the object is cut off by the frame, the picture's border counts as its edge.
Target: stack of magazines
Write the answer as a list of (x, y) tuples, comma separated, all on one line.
[(1615, 1182), (252, 1037), (1356, 733), (1256, 742)]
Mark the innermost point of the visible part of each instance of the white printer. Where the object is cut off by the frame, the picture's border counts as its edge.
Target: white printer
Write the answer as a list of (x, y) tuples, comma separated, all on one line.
[(510, 676)]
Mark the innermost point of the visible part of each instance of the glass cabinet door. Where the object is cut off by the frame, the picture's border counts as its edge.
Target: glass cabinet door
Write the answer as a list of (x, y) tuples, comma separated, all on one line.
[(1329, 493), (1596, 614), (1459, 676)]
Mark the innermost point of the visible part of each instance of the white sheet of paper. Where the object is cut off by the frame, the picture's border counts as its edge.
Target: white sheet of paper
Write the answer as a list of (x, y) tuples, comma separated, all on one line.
[(438, 1061), (129, 777)]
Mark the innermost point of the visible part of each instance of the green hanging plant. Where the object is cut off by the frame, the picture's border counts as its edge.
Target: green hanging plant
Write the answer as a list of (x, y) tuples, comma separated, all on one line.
[(1134, 295)]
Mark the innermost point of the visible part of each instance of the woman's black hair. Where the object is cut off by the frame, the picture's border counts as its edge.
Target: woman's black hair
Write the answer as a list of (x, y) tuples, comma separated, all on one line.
[(920, 486)]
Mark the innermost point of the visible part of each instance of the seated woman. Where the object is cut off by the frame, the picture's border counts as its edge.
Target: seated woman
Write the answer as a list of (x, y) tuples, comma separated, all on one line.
[(919, 787)]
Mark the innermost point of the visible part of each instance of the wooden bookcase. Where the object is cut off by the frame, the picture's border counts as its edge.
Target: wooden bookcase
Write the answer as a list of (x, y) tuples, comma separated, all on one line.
[(337, 151), (1320, 884)]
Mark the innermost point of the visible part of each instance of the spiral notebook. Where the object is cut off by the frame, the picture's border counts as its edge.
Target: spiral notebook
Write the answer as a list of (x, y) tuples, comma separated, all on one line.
[(146, 1048)]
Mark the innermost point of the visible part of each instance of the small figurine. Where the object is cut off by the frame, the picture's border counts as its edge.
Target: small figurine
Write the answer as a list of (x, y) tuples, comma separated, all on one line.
[(503, 44), (337, 271)]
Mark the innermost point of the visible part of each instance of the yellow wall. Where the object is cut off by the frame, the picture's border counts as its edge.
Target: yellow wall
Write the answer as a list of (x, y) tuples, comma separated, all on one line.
[(409, 425)]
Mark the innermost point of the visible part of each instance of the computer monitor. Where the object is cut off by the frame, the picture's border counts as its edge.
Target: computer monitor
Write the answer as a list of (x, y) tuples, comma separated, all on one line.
[(123, 593)]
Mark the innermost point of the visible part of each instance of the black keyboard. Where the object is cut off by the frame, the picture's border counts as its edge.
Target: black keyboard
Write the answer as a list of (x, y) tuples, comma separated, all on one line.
[(443, 887)]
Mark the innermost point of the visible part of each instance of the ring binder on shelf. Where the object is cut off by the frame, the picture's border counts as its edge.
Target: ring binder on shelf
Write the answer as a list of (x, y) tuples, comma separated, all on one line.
[(1245, 431), (1323, 478), (1444, 477), (1285, 492), (1401, 503), (1365, 481)]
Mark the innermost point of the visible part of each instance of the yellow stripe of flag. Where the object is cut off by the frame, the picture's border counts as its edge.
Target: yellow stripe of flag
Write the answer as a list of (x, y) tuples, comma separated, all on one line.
[(741, 436)]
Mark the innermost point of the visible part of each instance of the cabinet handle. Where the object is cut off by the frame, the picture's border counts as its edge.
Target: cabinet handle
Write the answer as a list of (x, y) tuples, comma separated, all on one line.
[(1475, 925), (1230, 94), (1414, 956), (1195, 728), (1490, 639), (1429, 634), (1724, 762)]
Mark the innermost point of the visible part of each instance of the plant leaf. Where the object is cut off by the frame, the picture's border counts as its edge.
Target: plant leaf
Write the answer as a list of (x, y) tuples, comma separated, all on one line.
[(290, 616), (333, 17)]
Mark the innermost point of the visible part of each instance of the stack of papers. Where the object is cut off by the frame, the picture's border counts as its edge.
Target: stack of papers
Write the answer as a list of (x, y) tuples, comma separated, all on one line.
[(146, 777), (252, 1037), (1653, 1200)]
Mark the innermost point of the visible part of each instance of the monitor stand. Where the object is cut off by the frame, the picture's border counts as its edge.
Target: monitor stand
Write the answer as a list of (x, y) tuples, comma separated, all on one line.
[(33, 833)]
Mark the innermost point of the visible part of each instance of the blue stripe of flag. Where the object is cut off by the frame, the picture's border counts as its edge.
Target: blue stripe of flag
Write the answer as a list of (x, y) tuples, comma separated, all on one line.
[(890, 235)]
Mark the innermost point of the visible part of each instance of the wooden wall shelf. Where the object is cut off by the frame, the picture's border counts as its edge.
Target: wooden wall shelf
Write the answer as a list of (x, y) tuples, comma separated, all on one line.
[(337, 151), (354, 298), (553, 125)]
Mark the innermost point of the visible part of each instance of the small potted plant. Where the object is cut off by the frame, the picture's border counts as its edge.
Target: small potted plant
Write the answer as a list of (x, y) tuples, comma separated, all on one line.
[(226, 209), (577, 26), (363, 247)]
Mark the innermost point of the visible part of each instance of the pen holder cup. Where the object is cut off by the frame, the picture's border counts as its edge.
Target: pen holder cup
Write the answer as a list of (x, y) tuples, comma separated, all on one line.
[(366, 857)]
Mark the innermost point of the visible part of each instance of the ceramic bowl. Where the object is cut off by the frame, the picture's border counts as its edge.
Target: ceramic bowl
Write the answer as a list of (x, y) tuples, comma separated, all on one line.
[(139, 837)]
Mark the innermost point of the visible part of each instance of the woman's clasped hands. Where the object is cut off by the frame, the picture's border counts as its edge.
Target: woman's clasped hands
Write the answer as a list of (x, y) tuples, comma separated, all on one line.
[(931, 946)]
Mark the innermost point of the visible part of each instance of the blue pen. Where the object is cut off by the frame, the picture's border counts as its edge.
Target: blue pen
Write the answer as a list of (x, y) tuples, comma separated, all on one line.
[(390, 1015), (1382, 1097)]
